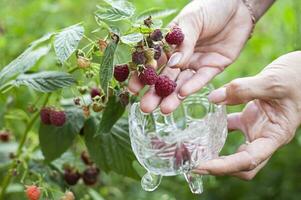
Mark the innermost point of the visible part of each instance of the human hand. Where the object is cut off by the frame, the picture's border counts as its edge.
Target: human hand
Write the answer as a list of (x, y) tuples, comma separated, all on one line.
[(269, 120), (215, 32)]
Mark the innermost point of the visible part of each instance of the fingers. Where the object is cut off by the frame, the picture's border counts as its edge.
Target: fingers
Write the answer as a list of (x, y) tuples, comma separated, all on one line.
[(150, 101), (234, 122), (243, 90), (254, 154), (170, 103), (199, 80)]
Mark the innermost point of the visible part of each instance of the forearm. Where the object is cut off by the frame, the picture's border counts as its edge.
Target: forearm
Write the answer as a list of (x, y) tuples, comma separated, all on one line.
[(259, 7)]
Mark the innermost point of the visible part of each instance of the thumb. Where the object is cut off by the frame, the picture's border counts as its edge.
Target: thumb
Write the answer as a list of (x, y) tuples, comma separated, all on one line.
[(243, 90), (191, 30)]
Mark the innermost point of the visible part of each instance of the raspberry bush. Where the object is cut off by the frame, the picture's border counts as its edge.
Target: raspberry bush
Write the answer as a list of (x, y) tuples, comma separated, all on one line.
[(78, 103)]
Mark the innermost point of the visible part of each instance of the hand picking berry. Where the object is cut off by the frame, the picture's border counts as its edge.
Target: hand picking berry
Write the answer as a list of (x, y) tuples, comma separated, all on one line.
[(33, 192), (164, 86), (175, 36), (148, 76), (121, 72)]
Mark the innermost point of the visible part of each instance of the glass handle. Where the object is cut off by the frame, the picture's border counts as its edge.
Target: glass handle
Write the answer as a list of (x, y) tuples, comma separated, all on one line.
[(195, 182), (150, 182)]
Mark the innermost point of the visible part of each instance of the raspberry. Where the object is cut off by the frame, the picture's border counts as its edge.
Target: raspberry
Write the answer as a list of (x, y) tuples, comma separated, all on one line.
[(4, 136), (175, 36), (45, 115), (138, 57), (90, 175), (57, 117), (164, 86), (158, 52), (33, 192), (148, 76), (71, 176), (83, 62), (95, 92), (156, 35), (97, 107), (86, 158), (182, 156), (68, 196), (121, 72)]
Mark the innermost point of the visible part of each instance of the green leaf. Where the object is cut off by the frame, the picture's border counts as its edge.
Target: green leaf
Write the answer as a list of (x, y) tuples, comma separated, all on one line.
[(22, 63), (123, 6), (54, 141), (44, 38), (132, 38), (111, 151), (107, 66), (156, 13), (112, 113), (66, 42), (48, 81), (112, 15)]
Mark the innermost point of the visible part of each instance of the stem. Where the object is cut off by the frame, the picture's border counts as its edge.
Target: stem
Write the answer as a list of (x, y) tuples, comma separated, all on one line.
[(14, 163)]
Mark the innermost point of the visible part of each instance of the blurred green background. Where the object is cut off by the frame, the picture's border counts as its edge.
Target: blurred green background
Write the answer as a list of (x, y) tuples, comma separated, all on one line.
[(279, 32)]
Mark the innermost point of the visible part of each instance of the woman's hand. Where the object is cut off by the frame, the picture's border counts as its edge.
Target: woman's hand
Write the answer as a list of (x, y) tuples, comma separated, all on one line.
[(215, 33), (269, 120)]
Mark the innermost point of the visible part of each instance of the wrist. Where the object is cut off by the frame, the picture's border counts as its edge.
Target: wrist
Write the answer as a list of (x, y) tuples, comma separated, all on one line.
[(258, 7)]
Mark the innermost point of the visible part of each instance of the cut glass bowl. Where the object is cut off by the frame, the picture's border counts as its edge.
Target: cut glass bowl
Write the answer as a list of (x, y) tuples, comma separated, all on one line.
[(175, 144)]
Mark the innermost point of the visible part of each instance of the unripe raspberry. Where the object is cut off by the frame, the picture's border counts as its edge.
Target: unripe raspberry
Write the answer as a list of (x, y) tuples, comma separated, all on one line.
[(86, 158), (164, 86), (71, 176), (149, 54), (148, 76), (4, 136), (58, 117), (90, 175), (45, 115), (33, 192), (83, 62), (102, 44), (121, 72), (138, 57), (175, 36), (68, 196), (156, 35), (97, 107)]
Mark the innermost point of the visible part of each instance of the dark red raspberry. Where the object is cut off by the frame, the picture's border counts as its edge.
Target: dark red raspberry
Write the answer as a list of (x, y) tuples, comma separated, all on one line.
[(45, 115), (95, 92), (121, 72), (57, 117), (90, 175), (182, 156), (158, 52), (148, 76), (86, 158), (138, 57), (71, 176), (4, 136), (164, 86), (156, 35), (175, 36)]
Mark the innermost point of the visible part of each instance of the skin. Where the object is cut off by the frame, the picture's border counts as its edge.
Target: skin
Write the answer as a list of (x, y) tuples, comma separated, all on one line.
[(269, 120)]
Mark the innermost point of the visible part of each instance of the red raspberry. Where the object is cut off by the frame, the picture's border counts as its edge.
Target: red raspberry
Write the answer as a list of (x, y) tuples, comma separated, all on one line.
[(71, 176), (138, 57), (121, 72), (33, 192), (95, 92), (148, 76), (158, 52), (164, 86), (175, 36), (45, 115), (4, 136), (90, 175), (156, 35), (57, 117)]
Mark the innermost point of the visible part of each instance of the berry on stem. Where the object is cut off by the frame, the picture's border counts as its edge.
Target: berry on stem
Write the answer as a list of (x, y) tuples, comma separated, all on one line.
[(95, 92), (158, 51), (33, 192), (138, 57), (90, 175), (156, 35), (57, 117), (148, 76), (45, 115), (4, 136), (121, 72), (164, 86), (83, 62), (175, 36), (71, 176)]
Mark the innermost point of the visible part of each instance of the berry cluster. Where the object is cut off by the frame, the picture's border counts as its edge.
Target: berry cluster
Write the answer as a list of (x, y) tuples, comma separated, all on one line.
[(89, 175), (51, 116), (145, 56)]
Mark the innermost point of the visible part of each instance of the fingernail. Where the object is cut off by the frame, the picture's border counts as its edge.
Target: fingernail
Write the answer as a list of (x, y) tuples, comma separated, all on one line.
[(218, 96), (181, 97), (174, 60)]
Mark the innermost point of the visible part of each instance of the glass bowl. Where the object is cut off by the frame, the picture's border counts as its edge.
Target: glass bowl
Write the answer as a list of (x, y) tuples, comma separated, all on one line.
[(169, 145)]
